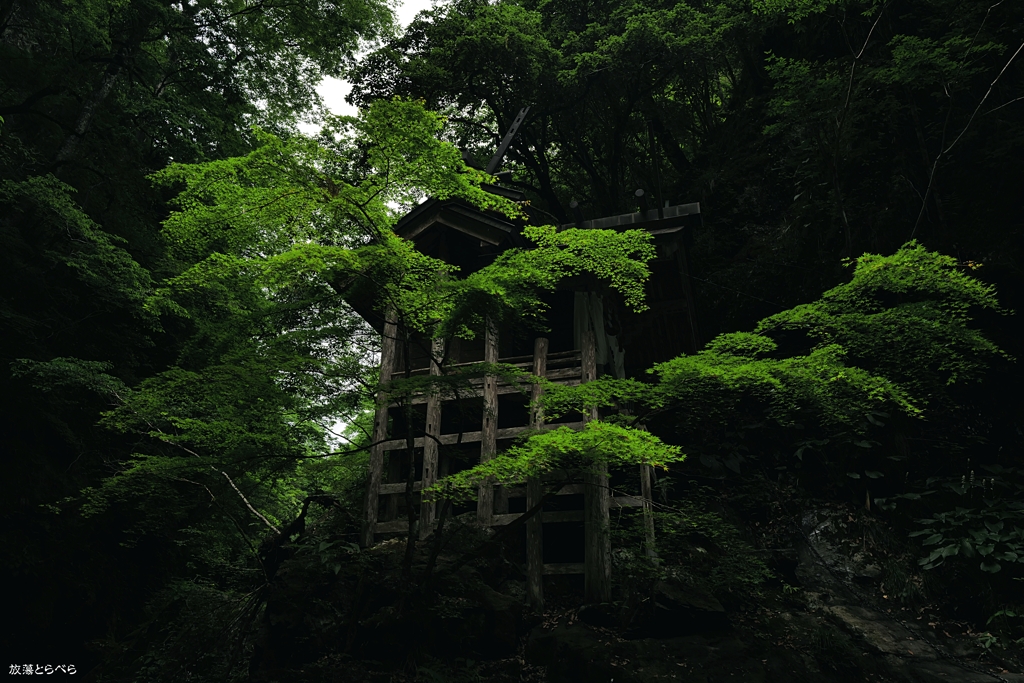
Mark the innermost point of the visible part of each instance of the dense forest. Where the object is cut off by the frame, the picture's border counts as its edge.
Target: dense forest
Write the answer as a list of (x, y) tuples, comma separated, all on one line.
[(187, 391)]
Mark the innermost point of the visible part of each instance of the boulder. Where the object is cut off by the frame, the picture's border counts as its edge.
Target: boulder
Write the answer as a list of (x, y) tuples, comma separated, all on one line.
[(495, 621), (680, 610)]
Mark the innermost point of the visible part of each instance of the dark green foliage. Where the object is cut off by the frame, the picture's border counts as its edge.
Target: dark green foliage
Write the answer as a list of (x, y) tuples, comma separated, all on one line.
[(695, 546), (95, 96), (221, 351)]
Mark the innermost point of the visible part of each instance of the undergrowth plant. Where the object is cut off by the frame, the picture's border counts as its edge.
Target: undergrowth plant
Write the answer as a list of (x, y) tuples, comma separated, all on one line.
[(693, 545)]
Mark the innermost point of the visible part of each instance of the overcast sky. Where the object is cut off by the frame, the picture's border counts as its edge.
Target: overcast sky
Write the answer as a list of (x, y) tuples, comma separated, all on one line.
[(334, 91)]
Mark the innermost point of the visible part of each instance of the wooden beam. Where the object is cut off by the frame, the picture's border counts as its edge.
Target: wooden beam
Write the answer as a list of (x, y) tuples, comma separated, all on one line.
[(553, 517), (388, 346), (645, 493), (567, 376), (535, 525), (597, 538), (394, 475), (474, 437), (397, 526), (489, 432), (524, 362), (567, 490), (398, 487), (432, 428), (564, 568)]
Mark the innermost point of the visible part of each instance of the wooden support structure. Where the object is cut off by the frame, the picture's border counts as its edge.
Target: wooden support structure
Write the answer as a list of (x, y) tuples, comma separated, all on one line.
[(596, 520), (432, 430), (645, 496), (570, 368), (489, 430), (388, 345), (535, 525), (459, 232)]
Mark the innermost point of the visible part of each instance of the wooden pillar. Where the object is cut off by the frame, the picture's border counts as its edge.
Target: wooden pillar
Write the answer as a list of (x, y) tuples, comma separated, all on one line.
[(380, 430), (489, 431), (535, 525), (394, 475), (444, 458), (432, 430), (645, 494), (597, 537)]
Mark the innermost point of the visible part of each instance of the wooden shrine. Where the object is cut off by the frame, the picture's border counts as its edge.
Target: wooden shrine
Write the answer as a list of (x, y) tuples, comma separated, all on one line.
[(590, 334)]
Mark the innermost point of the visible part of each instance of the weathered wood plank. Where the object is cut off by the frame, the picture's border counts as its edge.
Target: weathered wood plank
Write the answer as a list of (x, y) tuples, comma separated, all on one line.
[(380, 428), (398, 487), (566, 376), (399, 526), (567, 490), (565, 568), (561, 357), (553, 517)]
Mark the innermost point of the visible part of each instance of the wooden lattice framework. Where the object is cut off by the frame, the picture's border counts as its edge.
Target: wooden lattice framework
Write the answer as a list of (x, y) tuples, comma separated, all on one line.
[(571, 367), (668, 328)]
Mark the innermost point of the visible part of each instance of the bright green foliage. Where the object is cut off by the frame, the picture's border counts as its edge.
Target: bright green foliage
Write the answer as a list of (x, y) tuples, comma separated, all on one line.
[(893, 338), (794, 10), (330, 191), (302, 208), (563, 449), (272, 246), (94, 96), (906, 317)]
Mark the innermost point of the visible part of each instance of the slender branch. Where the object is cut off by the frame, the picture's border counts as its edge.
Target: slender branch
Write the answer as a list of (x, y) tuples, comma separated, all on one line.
[(987, 93), (1005, 104), (213, 500), (168, 440), (247, 503), (944, 152)]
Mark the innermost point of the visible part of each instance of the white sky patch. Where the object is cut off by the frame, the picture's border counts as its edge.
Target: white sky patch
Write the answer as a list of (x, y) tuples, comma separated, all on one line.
[(334, 91)]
